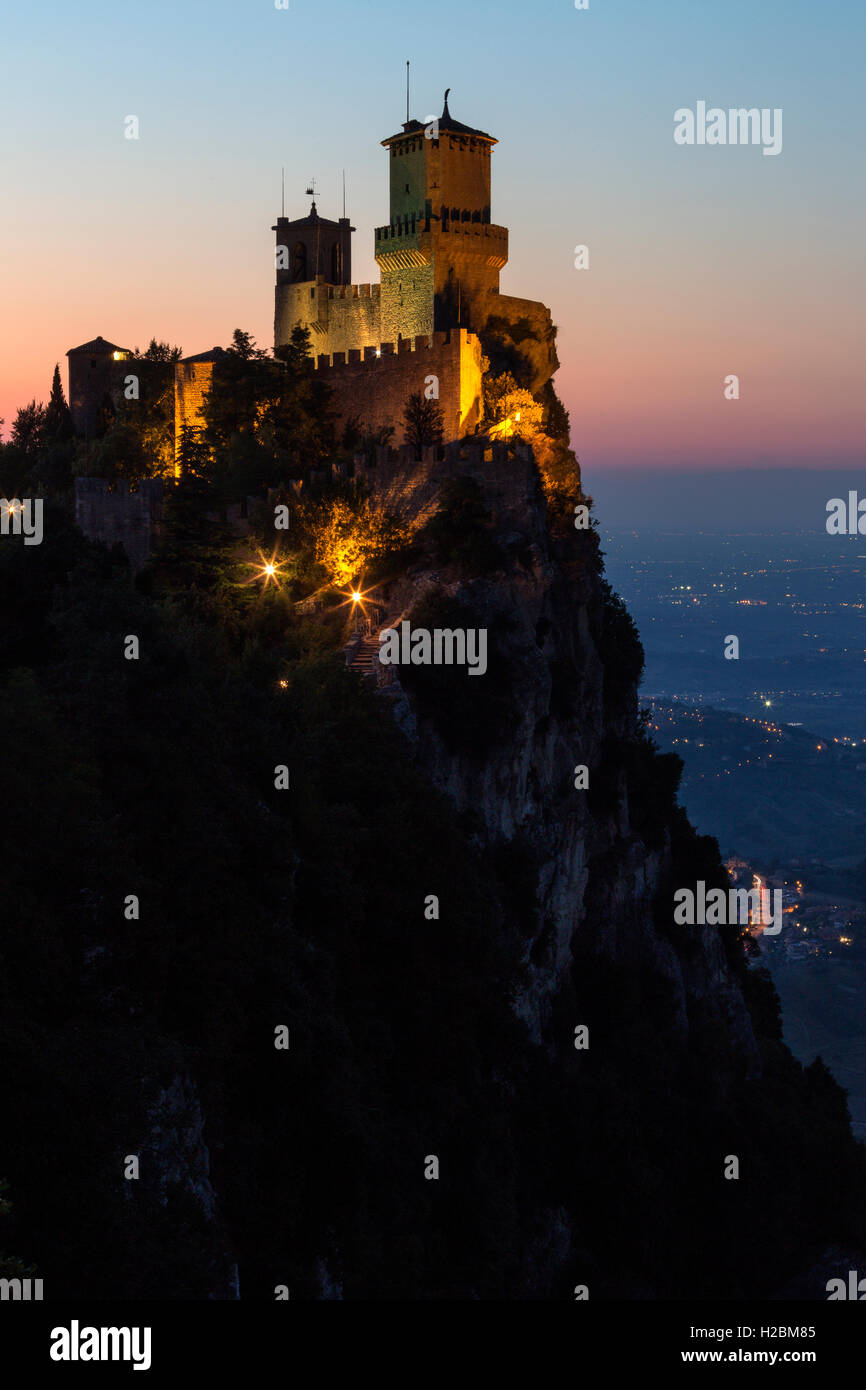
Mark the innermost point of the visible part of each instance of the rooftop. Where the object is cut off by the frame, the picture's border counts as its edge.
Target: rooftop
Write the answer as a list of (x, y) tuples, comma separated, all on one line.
[(446, 123), (97, 345), (210, 356)]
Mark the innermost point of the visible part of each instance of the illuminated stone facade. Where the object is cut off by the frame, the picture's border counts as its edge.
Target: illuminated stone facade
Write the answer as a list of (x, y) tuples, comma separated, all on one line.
[(439, 258)]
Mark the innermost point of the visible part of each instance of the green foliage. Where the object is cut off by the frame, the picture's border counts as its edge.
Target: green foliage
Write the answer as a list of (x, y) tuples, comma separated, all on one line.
[(266, 419), (460, 531), (306, 908), (424, 423), (193, 454), (556, 423), (57, 424), (258, 908), (196, 543), (359, 438), (621, 652), (28, 428), (159, 352), (500, 342)]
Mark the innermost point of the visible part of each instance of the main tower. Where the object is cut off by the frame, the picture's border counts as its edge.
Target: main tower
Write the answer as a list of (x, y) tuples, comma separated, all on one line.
[(440, 254), (439, 257)]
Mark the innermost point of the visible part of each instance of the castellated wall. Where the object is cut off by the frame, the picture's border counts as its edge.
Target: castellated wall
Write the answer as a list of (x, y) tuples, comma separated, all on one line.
[(374, 389), (339, 317), (118, 515), (410, 487)]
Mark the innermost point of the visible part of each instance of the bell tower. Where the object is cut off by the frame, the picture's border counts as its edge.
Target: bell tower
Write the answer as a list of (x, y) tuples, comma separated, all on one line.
[(312, 253)]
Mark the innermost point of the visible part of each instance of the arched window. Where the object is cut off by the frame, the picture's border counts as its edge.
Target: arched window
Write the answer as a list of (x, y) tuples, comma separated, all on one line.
[(299, 262)]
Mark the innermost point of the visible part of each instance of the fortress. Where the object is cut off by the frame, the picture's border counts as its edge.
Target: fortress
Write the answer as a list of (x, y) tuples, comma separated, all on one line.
[(439, 257)]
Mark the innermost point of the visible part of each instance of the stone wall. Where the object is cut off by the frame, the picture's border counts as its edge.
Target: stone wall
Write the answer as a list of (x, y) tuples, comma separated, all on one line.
[(374, 389), (407, 302), (339, 317), (91, 379), (191, 383), (119, 516), (409, 486)]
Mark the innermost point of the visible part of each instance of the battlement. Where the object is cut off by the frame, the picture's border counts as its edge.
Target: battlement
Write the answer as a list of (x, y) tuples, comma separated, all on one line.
[(453, 220), (378, 356), (410, 486), (371, 385), (148, 488), (354, 291)]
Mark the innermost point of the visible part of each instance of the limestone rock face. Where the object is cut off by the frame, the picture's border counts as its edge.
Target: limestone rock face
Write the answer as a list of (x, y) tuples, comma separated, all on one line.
[(597, 885), (176, 1167)]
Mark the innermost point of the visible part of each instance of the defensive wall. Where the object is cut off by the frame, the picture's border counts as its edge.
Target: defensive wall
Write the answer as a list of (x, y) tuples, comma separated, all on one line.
[(116, 515), (373, 385)]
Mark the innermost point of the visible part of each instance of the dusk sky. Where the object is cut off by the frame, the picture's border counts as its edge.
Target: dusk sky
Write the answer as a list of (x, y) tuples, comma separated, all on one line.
[(703, 261)]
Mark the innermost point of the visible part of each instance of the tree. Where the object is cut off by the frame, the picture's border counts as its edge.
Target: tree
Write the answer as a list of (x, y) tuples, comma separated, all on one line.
[(297, 352), (244, 383), (265, 419), (359, 438), (159, 352), (28, 428), (424, 422), (193, 452), (349, 534), (509, 409), (195, 544), (57, 424), (244, 345)]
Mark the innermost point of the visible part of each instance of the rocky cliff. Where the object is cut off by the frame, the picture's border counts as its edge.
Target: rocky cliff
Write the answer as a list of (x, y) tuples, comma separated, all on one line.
[(564, 670)]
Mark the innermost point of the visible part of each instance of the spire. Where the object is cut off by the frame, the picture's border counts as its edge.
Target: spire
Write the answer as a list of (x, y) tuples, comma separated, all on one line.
[(446, 112)]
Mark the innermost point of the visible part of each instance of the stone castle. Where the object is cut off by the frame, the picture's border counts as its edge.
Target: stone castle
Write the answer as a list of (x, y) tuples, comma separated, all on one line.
[(439, 257)]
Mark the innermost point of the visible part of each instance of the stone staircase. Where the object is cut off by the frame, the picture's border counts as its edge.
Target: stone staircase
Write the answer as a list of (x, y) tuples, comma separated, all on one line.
[(362, 661)]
